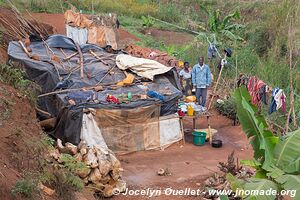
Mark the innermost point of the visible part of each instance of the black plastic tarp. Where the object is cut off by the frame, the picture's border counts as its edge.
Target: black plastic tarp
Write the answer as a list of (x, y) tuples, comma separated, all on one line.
[(49, 72)]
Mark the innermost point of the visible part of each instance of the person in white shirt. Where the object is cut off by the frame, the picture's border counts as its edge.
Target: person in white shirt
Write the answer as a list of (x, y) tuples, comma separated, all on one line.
[(186, 79)]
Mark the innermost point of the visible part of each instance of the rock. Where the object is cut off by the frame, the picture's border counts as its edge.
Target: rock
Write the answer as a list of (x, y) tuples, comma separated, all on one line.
[(161, 172), (121, 185), (60, 146), (83, 151), (78, 157), (54, 153), (82, 144), (83, 173), (104, 163), (48, 191), (115, 174), (115, 162), (90, 158), (95, 176), (72, 149), (106, 179), (108, 191)]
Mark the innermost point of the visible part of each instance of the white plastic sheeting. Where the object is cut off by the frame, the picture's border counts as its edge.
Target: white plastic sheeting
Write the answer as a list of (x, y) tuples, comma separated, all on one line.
[(79, 35), (143, 67), (91, 133), (170, 130)]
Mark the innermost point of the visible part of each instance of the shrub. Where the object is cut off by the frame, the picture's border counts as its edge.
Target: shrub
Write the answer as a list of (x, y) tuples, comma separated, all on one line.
[(228, 108), (25, 188)]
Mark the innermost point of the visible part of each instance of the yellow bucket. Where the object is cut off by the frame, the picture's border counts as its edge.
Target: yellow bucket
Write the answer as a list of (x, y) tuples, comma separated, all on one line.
[(190, 110)]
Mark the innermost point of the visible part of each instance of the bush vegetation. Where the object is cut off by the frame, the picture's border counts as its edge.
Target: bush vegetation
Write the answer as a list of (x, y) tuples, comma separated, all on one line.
[(263, 52)]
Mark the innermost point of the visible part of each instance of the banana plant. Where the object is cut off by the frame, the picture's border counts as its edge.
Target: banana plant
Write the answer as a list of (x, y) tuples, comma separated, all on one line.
[(276, 159), (222, 26), (148, 23)]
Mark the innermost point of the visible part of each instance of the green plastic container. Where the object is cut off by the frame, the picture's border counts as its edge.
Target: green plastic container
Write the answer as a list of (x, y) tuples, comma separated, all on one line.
[(199, 138)]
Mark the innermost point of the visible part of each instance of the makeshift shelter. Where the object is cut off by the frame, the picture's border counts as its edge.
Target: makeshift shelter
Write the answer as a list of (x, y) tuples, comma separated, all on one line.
[(94, 29), (88, 76)]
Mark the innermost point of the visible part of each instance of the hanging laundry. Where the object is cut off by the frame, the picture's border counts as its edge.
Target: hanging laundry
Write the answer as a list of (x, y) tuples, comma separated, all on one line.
[(278, 101), (254, 88), (211, 51)]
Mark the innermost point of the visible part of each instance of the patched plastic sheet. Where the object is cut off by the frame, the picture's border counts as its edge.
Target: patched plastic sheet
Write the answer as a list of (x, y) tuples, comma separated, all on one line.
[(129, 130)]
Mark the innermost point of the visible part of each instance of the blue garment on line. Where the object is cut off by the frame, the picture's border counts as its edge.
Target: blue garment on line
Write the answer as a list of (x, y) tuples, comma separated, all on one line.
[(273, 102), (211, 51), (156, 95)]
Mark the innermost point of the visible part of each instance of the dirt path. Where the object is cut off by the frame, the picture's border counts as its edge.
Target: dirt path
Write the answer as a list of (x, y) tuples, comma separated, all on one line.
[(188, 164)]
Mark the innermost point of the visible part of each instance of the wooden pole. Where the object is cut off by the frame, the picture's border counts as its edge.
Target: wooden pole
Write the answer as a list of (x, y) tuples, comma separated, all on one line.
[(290, 35), (80, 60), (216, 86)]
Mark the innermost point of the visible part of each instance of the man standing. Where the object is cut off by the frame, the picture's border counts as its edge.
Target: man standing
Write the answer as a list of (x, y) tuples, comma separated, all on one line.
[(201, 79)]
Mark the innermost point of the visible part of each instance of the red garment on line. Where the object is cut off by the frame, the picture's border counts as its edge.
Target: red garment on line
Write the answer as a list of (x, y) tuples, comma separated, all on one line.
[(253, 87)]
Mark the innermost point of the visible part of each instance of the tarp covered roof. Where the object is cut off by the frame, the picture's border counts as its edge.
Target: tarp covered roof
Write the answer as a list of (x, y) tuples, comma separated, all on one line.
[(52, 67)]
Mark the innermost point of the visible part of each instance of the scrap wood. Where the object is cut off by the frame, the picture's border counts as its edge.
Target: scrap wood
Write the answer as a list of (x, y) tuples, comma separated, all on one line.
[(80, 59), (43, 112), (96, 87), (34, 57), (48, 123), (70, 56), (96, 56), (106, 74), (216, 86)]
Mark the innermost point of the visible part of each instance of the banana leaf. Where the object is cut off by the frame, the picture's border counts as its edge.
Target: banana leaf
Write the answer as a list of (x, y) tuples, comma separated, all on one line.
[(287, 153), (255, 127), (291, 183), (258, 188)]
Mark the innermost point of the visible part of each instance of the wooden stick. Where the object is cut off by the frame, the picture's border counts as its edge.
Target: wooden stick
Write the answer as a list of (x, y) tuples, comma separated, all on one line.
[(80, 59), (43, 112), (96, 56), (106, 74), (216, 86), (70, 56), (24, 49), (290, 35), (74, 89)]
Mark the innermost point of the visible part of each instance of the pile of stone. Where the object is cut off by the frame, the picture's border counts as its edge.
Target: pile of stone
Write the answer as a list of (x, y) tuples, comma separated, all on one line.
[(102, 171)]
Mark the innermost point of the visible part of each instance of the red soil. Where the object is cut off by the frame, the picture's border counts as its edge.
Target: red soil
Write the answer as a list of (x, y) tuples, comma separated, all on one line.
[(18, 130)]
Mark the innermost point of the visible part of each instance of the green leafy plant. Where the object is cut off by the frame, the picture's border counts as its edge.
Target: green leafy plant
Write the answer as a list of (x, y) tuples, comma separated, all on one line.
[(71, 164), (276, 160), (25, 188), (222, 27), (148, 21), (227, 108)]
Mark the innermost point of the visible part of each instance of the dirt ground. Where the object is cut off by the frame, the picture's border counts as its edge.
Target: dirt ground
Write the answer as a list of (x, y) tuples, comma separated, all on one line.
[(18, 129), (172, 37), (188, 164)]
